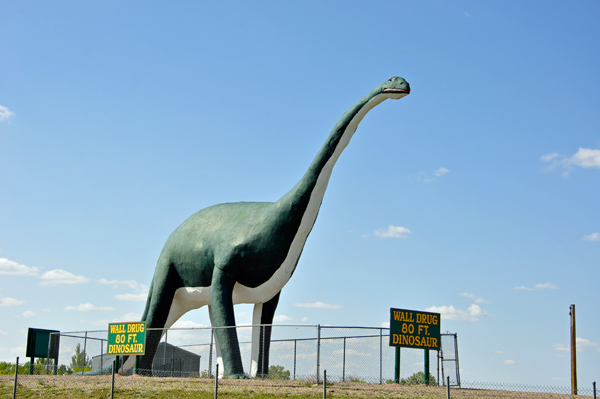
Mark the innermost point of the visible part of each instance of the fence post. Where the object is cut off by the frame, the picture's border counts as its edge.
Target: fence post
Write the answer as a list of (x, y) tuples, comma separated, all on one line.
[(593, 384), (17, 374), (448, 388), (83, 357), (318, 349), (324, 384), (295, 343), (380, 356), (217, 381), (112, 384), (344, 362), (210, 351), (165, 353), (48, 358), (101, 356)]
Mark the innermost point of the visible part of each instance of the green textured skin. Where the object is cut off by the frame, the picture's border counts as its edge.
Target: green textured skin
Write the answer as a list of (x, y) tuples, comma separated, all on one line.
[(243, 242)]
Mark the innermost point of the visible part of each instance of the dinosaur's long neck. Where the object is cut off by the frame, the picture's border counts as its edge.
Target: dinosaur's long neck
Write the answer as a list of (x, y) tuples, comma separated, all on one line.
[(304, 200)]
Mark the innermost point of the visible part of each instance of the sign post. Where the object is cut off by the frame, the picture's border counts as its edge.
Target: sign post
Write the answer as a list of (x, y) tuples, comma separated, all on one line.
[(127, 339), (415, 329)]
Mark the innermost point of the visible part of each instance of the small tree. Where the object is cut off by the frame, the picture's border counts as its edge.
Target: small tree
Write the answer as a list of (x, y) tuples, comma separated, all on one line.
[(64, 370), (79, 359), (40, 366), (278, 373), (418, 379)]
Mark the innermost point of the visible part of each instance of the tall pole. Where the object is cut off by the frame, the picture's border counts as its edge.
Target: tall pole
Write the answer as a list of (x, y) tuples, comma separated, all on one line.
[(573, 352)]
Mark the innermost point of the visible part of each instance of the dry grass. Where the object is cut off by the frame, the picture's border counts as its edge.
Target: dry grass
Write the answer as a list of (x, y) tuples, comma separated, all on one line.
[(134, 387)]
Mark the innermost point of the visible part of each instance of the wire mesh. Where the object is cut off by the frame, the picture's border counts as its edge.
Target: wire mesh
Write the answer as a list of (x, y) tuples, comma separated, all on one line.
[(358, 360)]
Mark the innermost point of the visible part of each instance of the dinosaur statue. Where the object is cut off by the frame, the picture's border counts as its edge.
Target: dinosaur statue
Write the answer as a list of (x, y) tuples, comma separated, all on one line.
[(245, 252)]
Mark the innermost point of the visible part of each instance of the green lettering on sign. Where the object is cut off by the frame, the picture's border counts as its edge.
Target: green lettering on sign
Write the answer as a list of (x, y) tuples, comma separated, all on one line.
[(126, 338), (414, 329)]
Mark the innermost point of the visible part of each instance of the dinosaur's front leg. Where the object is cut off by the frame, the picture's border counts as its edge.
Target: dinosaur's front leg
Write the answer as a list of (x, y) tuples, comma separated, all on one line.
[(221, 301)]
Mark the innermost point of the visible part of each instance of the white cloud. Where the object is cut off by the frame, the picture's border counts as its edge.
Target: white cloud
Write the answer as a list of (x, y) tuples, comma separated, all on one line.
[(86, 307), (12, 268), (581, 344), (10, 302), (281, 318), (500, 353), (60, 276), (305, 319), (3, 333), (318, 305), (592, 237), (539, 286), (546, 286), (385, 324), (585, 158), (473, 313), (141, 290), (509, 362), (5, 113), (560, 347), (393, 232), (140, 297), (125, 318), (115, 283), (477, 299), (441, 172), (522, 287), (187, 324), (29, 313), (549, 157)]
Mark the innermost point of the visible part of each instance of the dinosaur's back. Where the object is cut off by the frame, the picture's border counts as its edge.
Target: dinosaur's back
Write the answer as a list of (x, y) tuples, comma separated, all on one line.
[(231, 235)]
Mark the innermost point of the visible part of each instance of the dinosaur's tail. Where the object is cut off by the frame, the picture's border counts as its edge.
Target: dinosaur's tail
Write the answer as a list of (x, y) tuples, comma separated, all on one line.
[(128, 361), (145, 315)]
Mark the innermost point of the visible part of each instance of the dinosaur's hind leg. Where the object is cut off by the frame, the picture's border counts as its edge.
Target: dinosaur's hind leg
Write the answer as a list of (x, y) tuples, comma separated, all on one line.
[(261, 336)]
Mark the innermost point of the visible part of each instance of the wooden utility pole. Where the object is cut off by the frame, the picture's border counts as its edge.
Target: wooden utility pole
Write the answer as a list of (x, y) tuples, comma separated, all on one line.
[(573, 352)]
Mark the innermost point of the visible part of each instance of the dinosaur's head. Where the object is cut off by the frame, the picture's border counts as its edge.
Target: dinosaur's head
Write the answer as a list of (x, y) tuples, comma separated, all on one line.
[(395, 88)]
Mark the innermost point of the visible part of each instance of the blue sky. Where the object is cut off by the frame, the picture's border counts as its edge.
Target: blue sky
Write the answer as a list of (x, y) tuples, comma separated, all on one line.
[(475, 196)]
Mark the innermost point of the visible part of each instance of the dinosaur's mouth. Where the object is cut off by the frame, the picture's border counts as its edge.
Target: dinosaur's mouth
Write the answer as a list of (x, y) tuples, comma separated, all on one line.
[(396, 90)]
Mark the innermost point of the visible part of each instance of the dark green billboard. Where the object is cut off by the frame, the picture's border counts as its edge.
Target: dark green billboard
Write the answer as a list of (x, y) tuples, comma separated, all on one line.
[(414, 329)]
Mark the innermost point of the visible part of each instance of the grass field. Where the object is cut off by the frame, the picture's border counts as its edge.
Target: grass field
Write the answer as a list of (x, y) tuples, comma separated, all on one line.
[(134, 387)]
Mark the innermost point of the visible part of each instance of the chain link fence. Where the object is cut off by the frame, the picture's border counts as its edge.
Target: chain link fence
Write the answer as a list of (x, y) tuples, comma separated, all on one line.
[(356, 361)]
